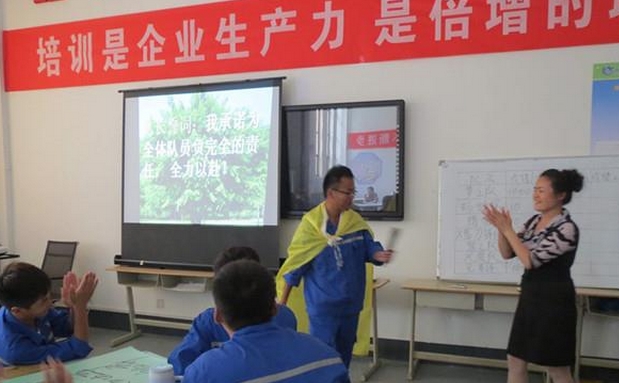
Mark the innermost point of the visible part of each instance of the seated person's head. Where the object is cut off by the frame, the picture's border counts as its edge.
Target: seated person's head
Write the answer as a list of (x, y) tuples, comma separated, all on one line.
[(244, 293), (25, 290), (234, 254)]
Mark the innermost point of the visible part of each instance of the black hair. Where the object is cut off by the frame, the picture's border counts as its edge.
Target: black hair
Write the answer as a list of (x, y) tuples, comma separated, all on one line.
[(234, 254), (22, 284), (565, 181), (244, 294), (333, 177)]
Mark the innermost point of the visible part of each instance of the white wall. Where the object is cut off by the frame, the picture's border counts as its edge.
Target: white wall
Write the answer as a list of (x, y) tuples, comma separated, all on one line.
[(6, 171), (66, 157)]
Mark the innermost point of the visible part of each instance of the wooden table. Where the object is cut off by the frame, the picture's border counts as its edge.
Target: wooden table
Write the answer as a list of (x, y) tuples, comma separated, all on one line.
[(376, 363), (479, 289), (7, 256), (167, 278), (126, 365), (584, 308), (17, 371), (435, 285)]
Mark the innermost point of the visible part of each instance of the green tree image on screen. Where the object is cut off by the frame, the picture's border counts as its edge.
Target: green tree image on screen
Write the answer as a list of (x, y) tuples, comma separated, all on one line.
[(203, 163)]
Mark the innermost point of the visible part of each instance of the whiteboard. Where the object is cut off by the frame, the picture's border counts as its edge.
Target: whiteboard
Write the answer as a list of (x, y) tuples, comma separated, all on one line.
[(467, 245)]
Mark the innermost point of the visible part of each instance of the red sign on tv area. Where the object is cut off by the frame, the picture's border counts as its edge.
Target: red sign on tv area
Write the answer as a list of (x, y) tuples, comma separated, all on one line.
[(373, 140), (256, 35)]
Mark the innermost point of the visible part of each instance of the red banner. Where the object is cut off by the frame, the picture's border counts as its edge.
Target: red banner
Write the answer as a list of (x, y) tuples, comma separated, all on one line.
[(257, 35), (373, 140)]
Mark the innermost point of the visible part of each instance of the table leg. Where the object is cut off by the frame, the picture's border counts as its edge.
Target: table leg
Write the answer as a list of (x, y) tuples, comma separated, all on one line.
[(375, 361), (580, 307), (134, 332), (412, 363)]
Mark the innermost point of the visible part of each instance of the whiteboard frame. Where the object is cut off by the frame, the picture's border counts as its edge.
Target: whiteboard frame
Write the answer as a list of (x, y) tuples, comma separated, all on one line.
[(448, 169)]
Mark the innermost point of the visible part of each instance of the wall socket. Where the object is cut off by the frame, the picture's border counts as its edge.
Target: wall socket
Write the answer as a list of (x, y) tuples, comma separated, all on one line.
[(160, 303)]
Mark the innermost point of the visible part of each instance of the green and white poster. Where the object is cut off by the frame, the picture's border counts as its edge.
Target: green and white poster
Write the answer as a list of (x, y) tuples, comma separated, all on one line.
[(605, 109)]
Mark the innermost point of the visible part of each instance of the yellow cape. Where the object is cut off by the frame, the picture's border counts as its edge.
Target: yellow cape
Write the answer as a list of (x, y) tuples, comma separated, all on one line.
[(308, 241)]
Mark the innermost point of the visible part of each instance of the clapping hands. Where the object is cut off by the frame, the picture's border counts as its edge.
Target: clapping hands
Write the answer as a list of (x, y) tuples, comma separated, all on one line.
[(500, 218), (76, 292), (55, 372)]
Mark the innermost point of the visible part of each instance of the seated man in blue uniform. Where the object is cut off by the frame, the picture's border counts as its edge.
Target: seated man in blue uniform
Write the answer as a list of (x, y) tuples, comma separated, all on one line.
[(28, 322), (258, 349), (205, 332)]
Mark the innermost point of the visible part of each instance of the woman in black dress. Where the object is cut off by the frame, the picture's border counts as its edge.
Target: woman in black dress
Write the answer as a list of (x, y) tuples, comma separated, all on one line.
[(544, 326)]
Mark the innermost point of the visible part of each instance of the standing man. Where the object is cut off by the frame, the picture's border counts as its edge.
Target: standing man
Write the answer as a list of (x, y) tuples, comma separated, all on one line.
[(329, 251)]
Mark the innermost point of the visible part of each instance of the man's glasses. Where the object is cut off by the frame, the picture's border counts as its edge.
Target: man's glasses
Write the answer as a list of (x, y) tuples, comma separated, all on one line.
[(346, 193)]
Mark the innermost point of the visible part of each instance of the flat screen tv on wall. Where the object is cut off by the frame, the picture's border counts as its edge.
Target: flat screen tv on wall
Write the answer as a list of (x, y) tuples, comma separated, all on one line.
[(368, 137)]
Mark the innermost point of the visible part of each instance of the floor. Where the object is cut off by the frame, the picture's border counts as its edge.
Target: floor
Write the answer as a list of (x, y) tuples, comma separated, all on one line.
[(389, 372)]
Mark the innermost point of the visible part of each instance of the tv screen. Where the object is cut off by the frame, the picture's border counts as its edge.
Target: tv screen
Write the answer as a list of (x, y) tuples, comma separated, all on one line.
[(368, 137), (201, 172)]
